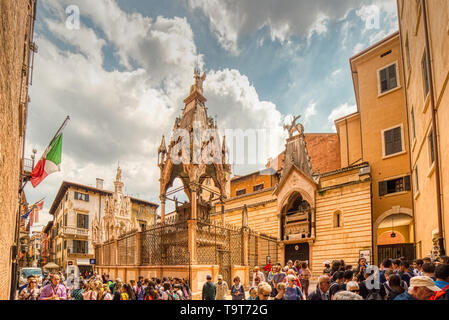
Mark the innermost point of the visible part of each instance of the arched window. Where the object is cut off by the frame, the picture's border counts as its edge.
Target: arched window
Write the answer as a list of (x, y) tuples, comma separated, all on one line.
[(338, 219)]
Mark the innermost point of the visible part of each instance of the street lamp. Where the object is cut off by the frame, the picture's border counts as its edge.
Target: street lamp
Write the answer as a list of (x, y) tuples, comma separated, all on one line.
[(33, 156)]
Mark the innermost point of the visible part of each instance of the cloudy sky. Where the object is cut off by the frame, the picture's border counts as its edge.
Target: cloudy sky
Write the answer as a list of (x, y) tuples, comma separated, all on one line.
[(123, 74)]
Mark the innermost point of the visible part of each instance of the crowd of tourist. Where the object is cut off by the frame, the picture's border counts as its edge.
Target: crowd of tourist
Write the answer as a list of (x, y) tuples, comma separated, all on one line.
[(394, 280), (95, 287)]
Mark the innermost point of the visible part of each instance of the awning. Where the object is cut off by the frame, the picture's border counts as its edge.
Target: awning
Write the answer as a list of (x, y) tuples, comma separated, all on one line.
[(83, 262), (51, 265)]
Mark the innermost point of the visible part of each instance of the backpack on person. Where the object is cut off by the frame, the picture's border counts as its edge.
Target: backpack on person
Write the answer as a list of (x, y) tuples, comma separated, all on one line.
[(441, 295)]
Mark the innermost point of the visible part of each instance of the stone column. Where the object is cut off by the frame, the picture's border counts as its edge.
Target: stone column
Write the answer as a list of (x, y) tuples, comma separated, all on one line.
[(223, 220), (192, 241), (194, 202), (245, 245), (281, 248), (162, 198)]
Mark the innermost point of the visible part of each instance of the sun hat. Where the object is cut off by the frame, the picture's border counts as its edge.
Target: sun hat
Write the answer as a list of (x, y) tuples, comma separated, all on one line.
[(423, 281)]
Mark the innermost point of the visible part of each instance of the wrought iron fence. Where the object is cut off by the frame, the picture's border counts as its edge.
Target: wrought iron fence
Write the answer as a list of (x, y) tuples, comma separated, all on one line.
[(126, 248), (165, 245), (268, 249), (220, 245), (109, 254), (261, 247)]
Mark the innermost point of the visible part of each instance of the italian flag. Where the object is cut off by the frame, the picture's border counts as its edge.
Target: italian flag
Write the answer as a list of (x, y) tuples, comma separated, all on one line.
[(49, 163)]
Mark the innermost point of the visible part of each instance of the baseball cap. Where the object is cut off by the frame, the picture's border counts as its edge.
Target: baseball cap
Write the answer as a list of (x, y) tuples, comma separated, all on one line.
[(326, 262), (220, 277), (209, 277), (423, 281)]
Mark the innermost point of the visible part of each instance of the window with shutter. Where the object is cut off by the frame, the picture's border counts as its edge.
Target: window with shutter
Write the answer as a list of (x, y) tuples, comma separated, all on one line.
[(388, 78), (392, 82), (86, 247), (82, 221), (394, 186), (75, 246), (382, 188), (393, 141), (241, 192)]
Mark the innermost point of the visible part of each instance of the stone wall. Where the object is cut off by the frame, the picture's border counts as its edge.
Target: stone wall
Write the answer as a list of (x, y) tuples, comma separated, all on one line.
[(14, 29), (355, 233)]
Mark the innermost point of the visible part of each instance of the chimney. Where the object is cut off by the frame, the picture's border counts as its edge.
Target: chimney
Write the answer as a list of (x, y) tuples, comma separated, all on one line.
[(100, 183)]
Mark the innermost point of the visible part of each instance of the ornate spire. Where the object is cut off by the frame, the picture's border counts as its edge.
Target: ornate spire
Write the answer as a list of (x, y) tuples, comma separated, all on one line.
[(296, 150), (118, 177), (162, 152)]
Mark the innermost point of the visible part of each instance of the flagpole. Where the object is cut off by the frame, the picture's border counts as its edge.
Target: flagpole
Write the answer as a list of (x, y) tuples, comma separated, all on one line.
[(58, 132)]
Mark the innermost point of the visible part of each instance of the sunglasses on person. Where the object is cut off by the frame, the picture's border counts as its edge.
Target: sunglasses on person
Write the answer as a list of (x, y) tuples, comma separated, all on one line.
[(355, 291)]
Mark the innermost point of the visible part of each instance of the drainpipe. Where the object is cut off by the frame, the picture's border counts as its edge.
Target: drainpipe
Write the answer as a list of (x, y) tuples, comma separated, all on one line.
[(434, 130), (404, 81)]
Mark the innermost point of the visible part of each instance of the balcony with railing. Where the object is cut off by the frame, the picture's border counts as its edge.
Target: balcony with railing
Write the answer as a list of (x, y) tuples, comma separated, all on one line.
[(27, 166), (75, 231)]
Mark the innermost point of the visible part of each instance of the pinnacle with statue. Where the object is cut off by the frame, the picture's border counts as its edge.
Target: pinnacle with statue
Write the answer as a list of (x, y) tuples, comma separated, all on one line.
[(294, 127)]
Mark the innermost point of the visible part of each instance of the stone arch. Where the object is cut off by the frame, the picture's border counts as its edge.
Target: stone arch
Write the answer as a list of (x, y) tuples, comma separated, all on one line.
[(296, 198), (306, 196), (393, 211)]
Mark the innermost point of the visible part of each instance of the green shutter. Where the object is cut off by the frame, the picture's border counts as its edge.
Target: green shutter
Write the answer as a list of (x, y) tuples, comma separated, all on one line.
[(75, 246), (397, 140), (383, 80), (392, 79), (407, 184), (383, 188), (388, 136)]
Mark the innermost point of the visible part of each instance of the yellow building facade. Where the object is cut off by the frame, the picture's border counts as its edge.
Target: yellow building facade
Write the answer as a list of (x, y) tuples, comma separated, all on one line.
[(377, 133), (424, 30)]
